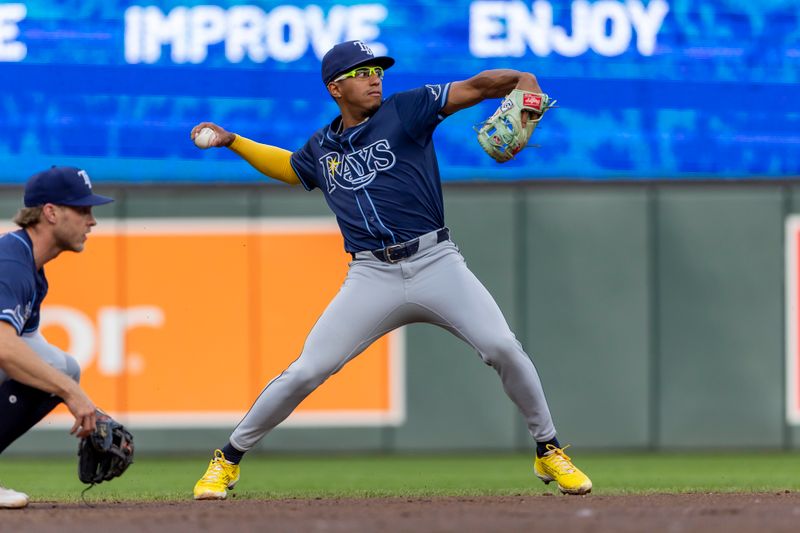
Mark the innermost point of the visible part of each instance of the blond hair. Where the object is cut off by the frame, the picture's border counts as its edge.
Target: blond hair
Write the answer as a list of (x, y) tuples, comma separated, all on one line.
[(28, 216)]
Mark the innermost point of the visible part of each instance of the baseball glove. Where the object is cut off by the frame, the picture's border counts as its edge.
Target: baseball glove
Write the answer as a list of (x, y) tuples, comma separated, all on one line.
[(502, 135), (106, 453)]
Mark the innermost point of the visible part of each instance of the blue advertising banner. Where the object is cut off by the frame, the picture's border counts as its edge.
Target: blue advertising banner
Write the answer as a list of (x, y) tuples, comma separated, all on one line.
[(646, 89)]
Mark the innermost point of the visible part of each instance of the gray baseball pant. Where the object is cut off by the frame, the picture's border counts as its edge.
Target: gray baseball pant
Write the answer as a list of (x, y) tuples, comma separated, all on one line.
[(433, 286), (52, 355)]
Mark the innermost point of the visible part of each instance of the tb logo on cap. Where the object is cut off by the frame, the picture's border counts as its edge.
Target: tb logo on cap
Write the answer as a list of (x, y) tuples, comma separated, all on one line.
[(364, 47), (85, 176)]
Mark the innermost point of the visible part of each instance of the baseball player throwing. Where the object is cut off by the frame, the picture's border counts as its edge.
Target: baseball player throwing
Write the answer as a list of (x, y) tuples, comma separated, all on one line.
[(35, 376), (376, 166)]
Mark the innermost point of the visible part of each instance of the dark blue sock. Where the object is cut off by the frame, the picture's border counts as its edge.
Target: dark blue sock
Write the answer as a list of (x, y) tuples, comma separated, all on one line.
[(541, 447), (232, 454)]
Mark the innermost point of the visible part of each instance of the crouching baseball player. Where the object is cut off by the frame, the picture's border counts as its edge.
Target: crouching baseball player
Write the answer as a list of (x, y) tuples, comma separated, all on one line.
[(376, 167), (35, 376)]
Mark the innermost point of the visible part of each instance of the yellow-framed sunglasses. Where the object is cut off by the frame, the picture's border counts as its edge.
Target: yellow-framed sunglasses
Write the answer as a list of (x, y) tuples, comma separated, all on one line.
[(362, 73)]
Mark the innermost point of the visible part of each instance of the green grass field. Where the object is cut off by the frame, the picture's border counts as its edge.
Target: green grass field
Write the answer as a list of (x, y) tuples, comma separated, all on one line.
[(279, 476)]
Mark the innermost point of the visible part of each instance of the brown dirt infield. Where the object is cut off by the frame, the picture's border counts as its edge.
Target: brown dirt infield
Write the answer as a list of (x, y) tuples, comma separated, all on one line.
[(729, 513)]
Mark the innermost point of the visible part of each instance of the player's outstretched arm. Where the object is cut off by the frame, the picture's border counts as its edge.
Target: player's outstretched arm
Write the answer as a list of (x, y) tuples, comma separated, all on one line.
[(22, 364), (489, 84), (271, 161)]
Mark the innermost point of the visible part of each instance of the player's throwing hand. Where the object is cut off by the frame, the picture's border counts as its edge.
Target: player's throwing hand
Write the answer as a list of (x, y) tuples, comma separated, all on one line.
[(221, 137)]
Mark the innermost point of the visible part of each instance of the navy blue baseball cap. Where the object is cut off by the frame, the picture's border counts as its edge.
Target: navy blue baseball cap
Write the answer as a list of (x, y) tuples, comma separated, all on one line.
[(348, 55), (62, 186)]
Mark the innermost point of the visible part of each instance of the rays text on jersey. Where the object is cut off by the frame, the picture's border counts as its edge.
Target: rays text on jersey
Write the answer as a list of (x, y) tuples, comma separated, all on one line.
[(357, 169)]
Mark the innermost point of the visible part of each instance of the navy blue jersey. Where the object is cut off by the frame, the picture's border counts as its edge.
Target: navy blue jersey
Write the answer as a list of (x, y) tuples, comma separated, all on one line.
[(22, 287), (380, 178)]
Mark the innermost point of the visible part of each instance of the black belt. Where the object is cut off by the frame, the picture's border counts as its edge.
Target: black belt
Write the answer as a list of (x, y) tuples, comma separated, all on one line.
[(397, 252)]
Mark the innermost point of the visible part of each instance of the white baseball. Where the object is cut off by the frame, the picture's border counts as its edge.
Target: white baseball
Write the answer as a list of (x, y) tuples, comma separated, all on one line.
[(204, 138)]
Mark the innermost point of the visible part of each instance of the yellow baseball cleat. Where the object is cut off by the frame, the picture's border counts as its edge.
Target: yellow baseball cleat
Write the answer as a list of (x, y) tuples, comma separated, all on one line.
[(218, 479), (556, 466)]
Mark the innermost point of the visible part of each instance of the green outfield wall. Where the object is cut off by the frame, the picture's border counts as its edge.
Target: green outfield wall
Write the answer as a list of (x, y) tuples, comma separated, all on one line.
[(655, 314)]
